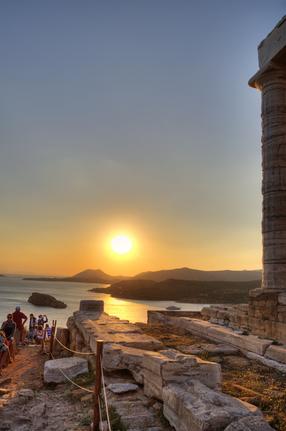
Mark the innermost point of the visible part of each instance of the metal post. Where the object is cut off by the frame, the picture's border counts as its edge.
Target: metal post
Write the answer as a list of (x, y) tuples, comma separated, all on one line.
[(97, 387), (52, 338)]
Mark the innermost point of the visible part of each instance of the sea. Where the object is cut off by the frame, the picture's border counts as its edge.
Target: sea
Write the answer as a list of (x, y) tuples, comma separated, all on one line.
[(16, 291)]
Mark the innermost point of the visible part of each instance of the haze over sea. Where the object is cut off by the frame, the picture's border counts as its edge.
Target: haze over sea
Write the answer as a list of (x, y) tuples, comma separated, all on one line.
[(16, 291)]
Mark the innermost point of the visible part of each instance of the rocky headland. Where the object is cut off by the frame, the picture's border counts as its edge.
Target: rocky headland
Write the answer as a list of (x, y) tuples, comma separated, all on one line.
[(201, 292)]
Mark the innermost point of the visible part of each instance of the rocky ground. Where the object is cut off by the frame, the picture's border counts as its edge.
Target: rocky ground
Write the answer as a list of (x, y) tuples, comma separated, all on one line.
[(26, 404), (243, 378)]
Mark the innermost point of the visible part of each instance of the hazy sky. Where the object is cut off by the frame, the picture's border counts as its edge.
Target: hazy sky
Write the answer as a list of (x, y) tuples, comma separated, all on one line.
[(130, 116)]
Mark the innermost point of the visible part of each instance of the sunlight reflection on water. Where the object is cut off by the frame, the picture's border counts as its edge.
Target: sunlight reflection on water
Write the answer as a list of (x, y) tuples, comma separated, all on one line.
[(15, 291)]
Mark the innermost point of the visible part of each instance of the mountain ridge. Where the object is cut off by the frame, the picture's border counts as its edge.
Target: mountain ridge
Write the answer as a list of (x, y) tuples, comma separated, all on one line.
[(184, 273)]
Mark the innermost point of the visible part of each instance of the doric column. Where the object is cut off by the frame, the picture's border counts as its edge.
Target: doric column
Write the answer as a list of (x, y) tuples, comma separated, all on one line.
[(273, 87), (271, 81), (274, 178)]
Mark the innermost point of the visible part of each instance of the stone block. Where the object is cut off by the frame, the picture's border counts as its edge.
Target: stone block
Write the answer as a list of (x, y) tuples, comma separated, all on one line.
[(90, 305), (171, 366), (250, 423), (277, 353), (196, 407), (273, 44), (267, 362), (71, 367), (249, 343)]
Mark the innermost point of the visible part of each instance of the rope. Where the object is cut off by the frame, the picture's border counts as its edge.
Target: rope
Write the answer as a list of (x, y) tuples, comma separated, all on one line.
[(100, 415), (105, 398), (73, 383), (73, 351)]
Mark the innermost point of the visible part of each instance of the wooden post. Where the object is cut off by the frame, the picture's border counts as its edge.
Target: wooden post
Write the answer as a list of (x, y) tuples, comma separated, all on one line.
[(52, 338), (97, 387)]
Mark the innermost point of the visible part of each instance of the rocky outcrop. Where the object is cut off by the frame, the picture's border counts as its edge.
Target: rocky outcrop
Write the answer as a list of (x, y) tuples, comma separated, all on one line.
[(43, 300), (71, 367)]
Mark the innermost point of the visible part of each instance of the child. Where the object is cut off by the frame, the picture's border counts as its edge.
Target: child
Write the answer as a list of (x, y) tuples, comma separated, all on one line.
[(39, 337)]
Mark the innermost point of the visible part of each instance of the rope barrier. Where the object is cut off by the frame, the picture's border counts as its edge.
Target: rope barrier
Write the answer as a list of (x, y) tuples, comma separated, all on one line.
[(100, 415), (73, 383), (105, 399), (72, 351)]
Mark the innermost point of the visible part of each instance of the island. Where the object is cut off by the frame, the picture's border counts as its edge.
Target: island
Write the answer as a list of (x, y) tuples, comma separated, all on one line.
[(44, 300)]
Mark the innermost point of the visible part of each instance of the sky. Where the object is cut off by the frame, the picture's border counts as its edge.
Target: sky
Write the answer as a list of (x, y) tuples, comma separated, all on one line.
[(130, 117)]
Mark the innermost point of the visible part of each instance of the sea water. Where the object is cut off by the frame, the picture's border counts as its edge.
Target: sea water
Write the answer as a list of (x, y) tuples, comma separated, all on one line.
[(16, 291)]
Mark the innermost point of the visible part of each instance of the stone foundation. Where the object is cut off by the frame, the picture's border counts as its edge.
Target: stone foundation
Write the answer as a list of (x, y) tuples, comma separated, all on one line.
[(265, 315)]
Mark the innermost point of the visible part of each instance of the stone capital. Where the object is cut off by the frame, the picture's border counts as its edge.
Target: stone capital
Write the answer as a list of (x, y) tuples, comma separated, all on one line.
[(271, 73)]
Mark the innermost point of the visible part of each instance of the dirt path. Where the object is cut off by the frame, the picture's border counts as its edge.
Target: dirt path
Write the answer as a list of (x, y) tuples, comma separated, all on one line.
[(27, 405)]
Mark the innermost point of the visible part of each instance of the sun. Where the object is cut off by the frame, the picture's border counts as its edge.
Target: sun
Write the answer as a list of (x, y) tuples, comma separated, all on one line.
[(121, 244)]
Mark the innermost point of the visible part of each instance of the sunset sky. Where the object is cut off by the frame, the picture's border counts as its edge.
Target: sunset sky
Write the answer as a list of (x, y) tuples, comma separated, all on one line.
[(130, 117)]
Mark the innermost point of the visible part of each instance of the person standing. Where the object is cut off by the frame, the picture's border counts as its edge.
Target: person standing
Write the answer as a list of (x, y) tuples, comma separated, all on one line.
[(9, 328), (20, 319)]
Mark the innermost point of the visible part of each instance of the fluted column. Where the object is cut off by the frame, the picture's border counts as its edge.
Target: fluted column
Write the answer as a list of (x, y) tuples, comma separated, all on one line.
[(272, 83)]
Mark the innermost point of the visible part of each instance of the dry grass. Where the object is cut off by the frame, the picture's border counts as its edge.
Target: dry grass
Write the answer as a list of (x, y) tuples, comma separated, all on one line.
[(251, 382)]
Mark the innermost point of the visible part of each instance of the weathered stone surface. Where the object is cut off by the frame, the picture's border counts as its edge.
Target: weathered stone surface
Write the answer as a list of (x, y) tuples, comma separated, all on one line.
[(91, 306), (211, 349), (217, 333), (277, 353), (268, 362), (72, 367), (249, 423), (118, 357), (112, 330), (121, 388), (272, 44), (26, 393), (165, 367), (195, 407)]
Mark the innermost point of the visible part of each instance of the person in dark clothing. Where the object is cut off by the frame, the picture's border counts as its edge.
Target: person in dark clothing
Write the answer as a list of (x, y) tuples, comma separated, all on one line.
[(9, 327), (20, 319)]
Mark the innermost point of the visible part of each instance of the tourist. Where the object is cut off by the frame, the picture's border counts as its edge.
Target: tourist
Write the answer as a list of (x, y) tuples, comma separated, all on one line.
[(4, 351), (42, 319), (39, 337), (9, 328), (32, 327), (20, 319)]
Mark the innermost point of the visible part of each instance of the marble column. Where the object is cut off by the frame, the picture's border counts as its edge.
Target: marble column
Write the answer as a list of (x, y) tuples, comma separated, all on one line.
[(272, 83)]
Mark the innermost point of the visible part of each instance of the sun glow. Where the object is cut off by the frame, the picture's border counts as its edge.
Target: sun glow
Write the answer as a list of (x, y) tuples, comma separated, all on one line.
[(121, 244)]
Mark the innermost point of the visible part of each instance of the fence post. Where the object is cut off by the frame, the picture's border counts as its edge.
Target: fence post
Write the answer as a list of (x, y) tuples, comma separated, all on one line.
[(54, 325), (97, 387)]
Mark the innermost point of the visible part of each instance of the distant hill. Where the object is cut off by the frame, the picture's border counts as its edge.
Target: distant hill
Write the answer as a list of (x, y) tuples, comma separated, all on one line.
[(202, 292), (87, 276), (198, 275), (98, 276)]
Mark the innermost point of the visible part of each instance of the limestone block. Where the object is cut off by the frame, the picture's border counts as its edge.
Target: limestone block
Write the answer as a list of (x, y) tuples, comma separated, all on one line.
[(72, 367), (268, 362), (211, 349), (91, 305), (277, 353), (249, 423), (282, 299), (168, 366), (117, 357), (196, 407), (272, 44), (244, 342), (121, 388)]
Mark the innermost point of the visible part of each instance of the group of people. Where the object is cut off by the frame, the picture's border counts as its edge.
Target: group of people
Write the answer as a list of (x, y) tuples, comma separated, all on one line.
[(13, 332)]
